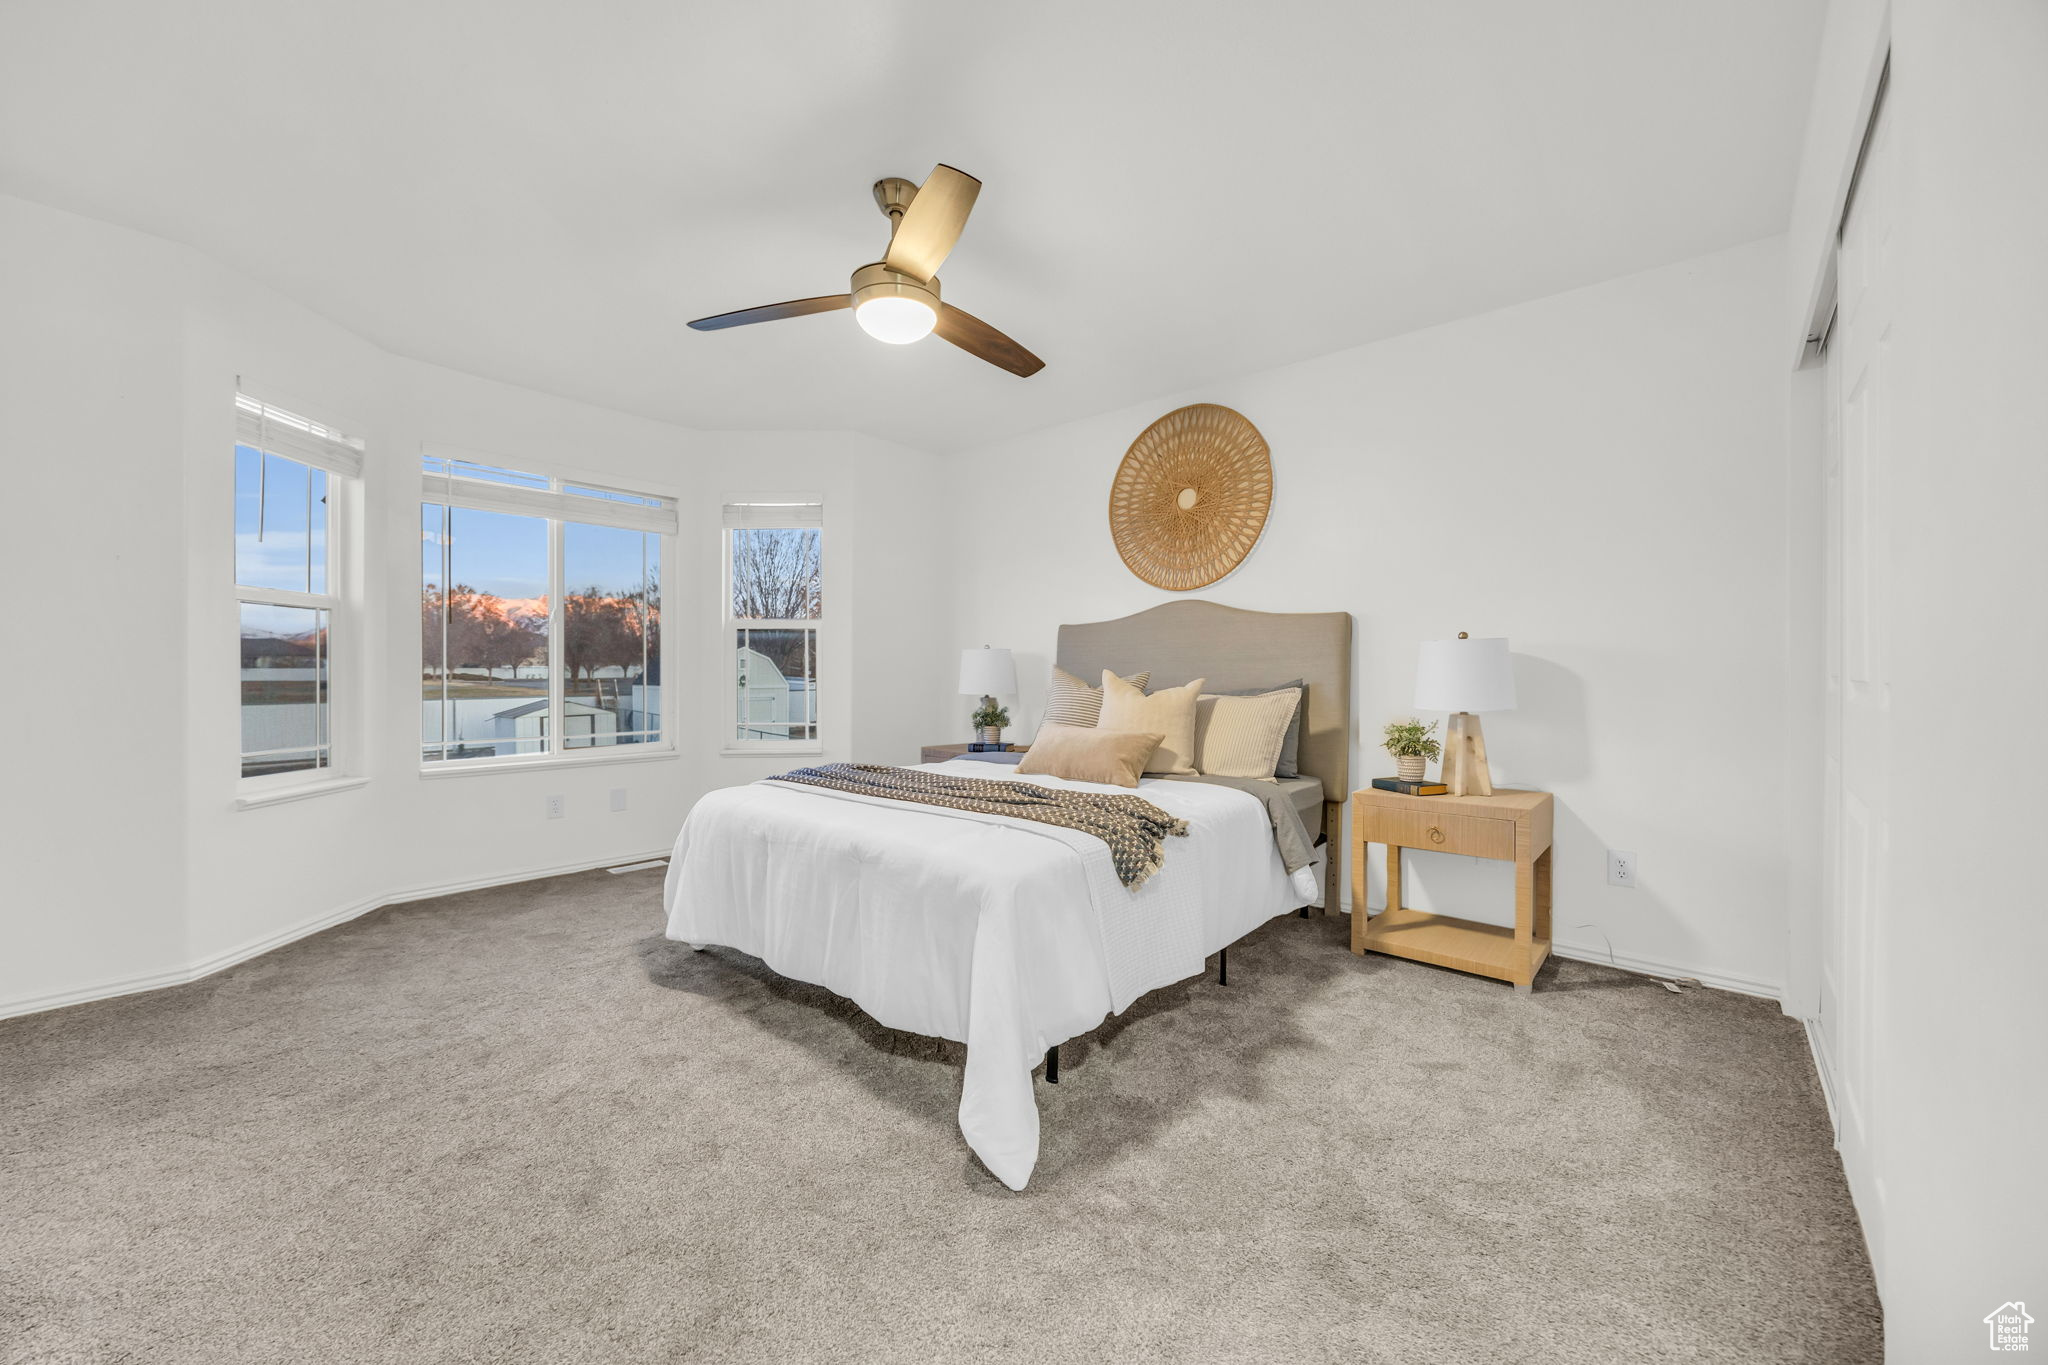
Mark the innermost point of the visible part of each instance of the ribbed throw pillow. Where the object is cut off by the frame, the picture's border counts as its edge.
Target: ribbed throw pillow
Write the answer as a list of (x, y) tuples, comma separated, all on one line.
[(1242, 736), (1170, 713), (1070, 701), (1088, 754), (1290, 747)]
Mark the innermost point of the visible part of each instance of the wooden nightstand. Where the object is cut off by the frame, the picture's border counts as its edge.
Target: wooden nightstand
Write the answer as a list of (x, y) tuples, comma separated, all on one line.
[(939, 753), (1513, 826)]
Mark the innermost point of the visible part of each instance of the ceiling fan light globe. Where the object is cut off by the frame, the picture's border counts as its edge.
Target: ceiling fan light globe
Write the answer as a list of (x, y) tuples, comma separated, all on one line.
[(893, 307), (896, 319)]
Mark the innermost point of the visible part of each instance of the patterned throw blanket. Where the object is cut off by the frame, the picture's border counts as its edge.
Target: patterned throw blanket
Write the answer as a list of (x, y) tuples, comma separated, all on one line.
[(1134, 828)]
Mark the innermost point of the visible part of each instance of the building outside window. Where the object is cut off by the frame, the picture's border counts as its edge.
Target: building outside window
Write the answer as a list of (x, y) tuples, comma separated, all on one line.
[(774, 606), (540, 615)]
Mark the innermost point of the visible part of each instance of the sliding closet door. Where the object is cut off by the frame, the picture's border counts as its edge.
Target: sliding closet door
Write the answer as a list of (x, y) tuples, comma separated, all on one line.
[(1860, 513)]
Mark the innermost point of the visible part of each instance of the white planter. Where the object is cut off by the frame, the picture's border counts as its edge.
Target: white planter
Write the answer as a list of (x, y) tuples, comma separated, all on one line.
[(1411, 767)]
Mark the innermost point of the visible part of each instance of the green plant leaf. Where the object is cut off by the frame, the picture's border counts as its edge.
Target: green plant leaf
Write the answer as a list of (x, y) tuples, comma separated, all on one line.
[(1411, 739)]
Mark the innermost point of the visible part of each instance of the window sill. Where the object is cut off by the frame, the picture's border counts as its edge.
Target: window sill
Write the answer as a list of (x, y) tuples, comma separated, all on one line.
[(297, 791), (476, 767), (767, 750)]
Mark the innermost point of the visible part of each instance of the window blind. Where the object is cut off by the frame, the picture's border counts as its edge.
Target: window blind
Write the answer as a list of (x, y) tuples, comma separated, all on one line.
[(460, 483), (789, 512), (294, 437)]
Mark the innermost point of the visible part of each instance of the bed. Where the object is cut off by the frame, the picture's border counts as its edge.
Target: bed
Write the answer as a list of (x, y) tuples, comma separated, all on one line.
[(1007, 935)]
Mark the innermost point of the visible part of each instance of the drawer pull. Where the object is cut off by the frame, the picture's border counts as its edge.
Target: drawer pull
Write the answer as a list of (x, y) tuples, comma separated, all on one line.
[(1436, 836)]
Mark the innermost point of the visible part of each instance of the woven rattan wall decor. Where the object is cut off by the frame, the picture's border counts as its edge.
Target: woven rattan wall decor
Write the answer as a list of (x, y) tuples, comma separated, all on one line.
[(1191, 497)]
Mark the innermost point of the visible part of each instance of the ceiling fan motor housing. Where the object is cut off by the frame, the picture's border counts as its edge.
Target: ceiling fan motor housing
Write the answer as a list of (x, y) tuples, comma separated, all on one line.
[(878, 281), (893, 195)]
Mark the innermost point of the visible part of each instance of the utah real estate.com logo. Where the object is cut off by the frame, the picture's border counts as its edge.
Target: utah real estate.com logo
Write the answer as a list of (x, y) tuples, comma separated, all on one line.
[(2008, 1325)]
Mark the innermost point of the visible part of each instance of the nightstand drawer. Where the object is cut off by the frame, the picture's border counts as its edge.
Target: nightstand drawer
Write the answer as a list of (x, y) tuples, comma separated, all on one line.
[(1472, 835)]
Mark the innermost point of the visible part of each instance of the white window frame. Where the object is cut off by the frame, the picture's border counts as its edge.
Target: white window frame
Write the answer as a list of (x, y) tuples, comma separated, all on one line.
[(812, 515), (284, 434), (649, 511)]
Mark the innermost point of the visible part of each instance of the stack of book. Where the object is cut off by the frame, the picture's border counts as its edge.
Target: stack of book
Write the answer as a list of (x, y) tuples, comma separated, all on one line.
[(1407, 788), (977, 747)]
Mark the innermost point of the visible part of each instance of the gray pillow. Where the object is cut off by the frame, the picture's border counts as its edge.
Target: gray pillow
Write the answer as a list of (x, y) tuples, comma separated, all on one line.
[(1290, 747)]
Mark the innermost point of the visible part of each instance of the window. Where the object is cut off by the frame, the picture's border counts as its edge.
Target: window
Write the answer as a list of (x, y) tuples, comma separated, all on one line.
[(540, 614), (773, 608), (287, 474)]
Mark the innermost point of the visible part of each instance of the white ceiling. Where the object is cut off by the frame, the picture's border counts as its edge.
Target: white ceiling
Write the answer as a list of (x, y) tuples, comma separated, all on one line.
[(1174, 193)]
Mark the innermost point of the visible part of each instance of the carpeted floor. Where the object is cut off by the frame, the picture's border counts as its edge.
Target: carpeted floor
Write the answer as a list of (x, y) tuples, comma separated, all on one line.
[(518, 1125)]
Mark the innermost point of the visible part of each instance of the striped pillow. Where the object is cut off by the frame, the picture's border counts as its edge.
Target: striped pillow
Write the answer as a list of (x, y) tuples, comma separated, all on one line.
[(1290, 747), (1241, 736), (1070, 701)]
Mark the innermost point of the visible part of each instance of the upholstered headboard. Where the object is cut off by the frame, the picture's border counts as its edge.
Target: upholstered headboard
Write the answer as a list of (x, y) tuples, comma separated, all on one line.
[(1188, 639)]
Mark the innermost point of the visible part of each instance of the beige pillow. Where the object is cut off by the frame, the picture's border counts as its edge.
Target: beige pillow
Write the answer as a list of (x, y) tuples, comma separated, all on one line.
[(1074, 701), (1088, 754), (1243, 736), (1170, 713)]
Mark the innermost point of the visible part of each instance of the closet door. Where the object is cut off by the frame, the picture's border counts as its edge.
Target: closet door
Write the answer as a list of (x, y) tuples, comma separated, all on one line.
[(1861, 513)]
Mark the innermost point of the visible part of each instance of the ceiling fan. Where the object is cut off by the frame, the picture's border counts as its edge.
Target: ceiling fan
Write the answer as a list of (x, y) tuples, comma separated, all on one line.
[(897, 298)]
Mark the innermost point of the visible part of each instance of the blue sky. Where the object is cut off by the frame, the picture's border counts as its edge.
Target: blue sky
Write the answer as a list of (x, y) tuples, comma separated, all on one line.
[(280, 558), (508, 555)]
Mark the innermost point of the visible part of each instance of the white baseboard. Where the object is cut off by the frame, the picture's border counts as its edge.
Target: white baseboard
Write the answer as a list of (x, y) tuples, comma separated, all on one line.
[(107, 990), (1866, 1188), (1827, 1078), (132, 985), (1723, 981)]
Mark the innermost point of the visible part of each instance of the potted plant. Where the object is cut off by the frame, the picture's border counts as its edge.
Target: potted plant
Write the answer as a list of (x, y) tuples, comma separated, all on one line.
[(989, 720), (1413, 745)]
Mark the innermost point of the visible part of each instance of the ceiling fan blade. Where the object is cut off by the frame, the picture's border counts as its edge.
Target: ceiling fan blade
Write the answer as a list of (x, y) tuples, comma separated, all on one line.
[(977, 338), (932, 223), (774, 312)]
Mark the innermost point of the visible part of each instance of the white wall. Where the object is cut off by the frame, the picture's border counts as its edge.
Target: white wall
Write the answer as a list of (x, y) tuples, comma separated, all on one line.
[(133, 863), (91, 834), (1947, 1177), (1595, 476)]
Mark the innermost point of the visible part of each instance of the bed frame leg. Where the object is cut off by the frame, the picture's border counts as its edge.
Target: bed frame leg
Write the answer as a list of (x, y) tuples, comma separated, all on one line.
[(1304, 912), (1052, 1065), (1223, 967)]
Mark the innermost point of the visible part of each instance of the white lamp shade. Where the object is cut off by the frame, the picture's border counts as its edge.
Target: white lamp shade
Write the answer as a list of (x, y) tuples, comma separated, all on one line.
[(987, 673), (1464, 675)]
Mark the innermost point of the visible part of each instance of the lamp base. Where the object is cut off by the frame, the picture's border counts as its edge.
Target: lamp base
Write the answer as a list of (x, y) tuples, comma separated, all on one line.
[(1465, 771)]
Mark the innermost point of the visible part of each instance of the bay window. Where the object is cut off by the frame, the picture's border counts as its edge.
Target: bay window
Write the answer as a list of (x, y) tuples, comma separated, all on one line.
[(540, 615)]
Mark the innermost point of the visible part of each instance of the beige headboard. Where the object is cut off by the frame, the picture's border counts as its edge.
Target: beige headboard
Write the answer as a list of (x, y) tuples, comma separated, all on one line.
[(1191, 638)]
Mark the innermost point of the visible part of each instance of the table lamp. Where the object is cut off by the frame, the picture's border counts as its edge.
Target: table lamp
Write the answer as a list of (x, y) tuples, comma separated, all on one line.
[(987, 673), (1462, 676)]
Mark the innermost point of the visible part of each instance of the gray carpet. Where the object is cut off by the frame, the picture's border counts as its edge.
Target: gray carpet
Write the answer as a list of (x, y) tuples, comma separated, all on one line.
[(517, 1125)]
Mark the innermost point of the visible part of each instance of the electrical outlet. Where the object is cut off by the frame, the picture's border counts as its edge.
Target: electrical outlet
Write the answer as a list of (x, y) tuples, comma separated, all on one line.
[(618, 798), (557, 807), (1621, 868)]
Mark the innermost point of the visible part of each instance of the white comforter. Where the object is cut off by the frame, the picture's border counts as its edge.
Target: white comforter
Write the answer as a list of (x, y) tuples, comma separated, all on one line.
[(1005, 934)]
